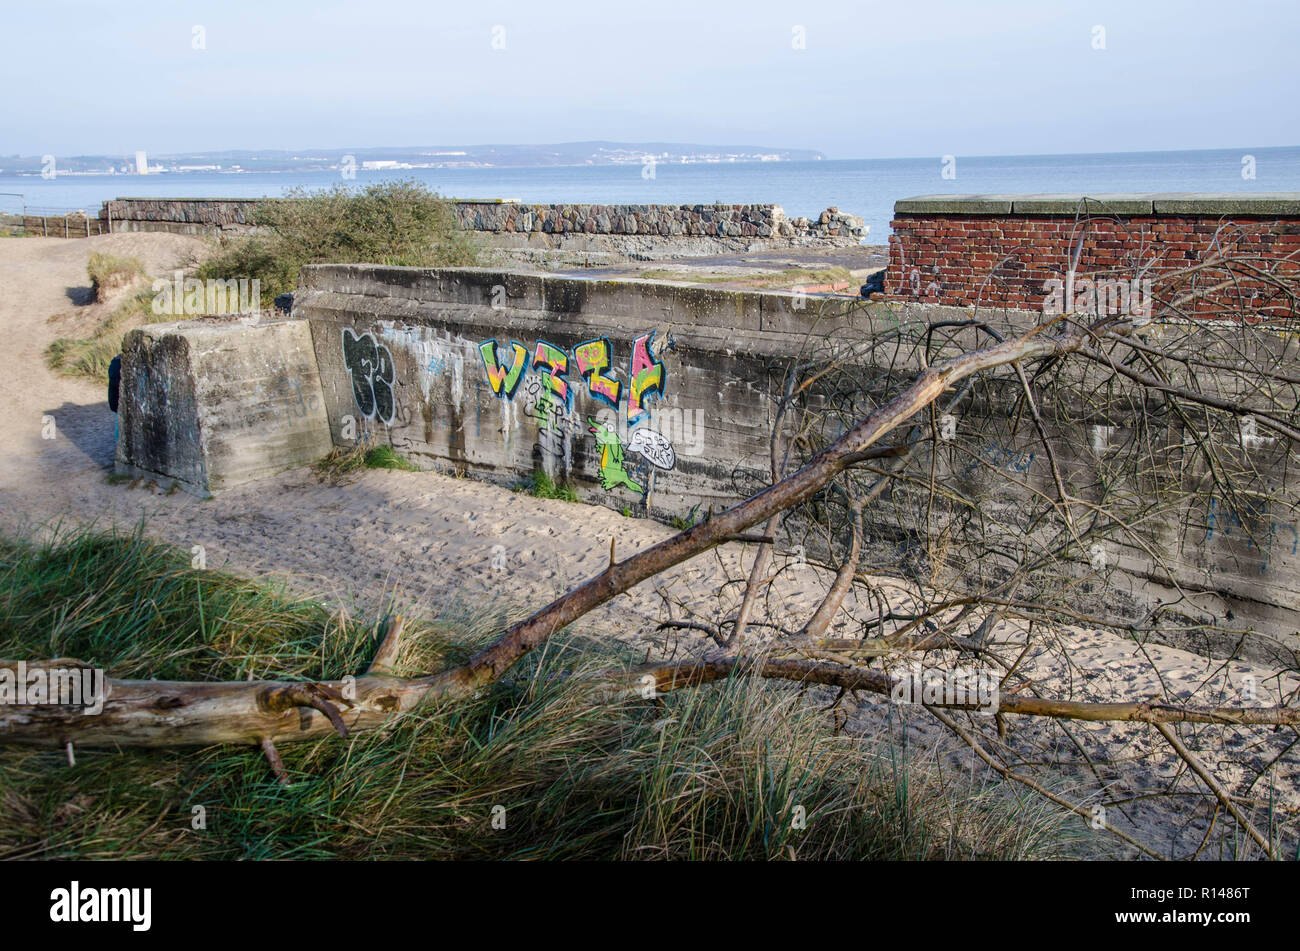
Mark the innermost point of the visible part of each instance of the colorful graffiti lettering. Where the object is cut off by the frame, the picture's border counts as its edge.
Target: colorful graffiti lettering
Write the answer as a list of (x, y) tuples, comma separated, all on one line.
[(371, 366), (612, 473), (503, 378), (593, 358), (552, 364), (645, 377), (548, 397)]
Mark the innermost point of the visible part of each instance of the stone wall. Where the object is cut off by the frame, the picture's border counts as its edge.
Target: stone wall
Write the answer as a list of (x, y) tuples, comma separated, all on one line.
[(641, 231), (717, 221), (180, 215), (1006, 250)]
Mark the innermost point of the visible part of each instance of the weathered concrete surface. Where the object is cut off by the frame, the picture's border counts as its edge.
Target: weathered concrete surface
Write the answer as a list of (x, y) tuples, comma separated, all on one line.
[(214, 403), (401, 356), (414, 374)]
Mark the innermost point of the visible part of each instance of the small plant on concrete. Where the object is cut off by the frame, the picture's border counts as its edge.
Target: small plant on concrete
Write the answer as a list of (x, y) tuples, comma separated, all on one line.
[(682, 523), (344, 461)]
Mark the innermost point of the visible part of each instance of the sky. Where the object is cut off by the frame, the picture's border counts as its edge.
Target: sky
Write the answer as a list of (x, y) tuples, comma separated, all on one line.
[(863, 79)]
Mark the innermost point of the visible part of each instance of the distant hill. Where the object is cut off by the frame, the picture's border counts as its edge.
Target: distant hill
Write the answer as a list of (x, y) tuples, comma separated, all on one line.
[(429, 156)]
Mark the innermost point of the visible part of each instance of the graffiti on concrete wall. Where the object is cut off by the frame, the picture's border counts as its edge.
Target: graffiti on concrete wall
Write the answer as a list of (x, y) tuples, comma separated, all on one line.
[(645, 378), (654, 446), (556, 423), (612, 472), (594, 361), (296, 403), (371, 367), (505, 366), (546, 379)]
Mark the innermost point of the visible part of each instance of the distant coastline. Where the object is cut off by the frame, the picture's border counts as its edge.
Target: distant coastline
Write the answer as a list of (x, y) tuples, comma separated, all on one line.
[(407, 158), (863, 187)]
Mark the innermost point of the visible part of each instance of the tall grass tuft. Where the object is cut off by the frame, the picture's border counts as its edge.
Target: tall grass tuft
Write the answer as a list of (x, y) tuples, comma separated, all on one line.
[(738, 770), (109, 272), (541, 485)]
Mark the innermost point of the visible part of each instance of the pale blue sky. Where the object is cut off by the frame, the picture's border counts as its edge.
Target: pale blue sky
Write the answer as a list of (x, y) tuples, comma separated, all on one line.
[(876, 79)]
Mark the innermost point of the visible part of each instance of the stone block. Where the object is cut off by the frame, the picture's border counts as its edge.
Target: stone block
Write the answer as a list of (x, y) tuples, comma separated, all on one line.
[(214, 403)]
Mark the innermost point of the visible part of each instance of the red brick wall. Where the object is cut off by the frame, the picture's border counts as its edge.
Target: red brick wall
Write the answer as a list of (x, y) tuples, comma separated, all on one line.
[(1004, 260)]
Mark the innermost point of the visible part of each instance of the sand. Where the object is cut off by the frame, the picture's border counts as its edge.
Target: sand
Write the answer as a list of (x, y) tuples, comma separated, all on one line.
[(424, 539)]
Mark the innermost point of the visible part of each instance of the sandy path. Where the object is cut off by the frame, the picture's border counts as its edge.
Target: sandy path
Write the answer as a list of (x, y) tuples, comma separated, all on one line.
[(422, 538)]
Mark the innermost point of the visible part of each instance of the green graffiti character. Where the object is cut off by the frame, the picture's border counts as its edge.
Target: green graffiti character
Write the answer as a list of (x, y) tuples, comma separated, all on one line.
[(612, 473)]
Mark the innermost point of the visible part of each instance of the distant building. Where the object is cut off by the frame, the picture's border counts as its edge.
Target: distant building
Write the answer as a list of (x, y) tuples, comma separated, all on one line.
[(141, 164)]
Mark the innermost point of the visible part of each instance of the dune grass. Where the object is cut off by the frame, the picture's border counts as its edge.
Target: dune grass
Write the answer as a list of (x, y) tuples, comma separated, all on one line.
[(736, 770), (90, 356), (108, 272)]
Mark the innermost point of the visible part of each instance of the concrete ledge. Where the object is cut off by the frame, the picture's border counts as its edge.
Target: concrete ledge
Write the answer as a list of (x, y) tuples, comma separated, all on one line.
[(1190, 204), (1279, 205), (954, 205), (1089, 204)]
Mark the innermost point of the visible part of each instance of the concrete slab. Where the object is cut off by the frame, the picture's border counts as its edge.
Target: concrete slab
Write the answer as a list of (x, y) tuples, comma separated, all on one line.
[(216, 402)]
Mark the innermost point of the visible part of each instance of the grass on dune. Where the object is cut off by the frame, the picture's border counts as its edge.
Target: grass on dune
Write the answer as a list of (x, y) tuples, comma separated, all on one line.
[(110, 271), (708, 774), (90, 356)]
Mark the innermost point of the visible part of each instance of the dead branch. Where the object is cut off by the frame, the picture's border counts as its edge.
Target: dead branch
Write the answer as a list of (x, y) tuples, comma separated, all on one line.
[(1220, 793)]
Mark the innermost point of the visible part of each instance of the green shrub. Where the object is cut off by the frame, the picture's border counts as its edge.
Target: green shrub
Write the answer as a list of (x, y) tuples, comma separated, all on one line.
[(397, 222)]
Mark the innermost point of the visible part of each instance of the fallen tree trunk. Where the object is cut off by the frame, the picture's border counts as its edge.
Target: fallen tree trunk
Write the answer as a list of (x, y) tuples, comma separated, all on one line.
[(182, 713), (159, 713)]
